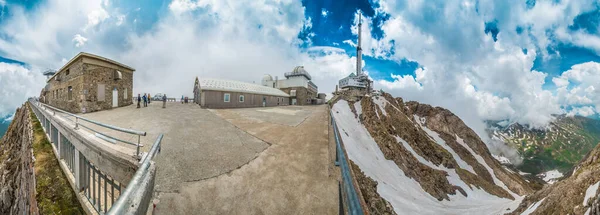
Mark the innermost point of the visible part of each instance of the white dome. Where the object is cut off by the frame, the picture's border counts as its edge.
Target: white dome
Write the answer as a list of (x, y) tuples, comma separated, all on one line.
[(267, 78)]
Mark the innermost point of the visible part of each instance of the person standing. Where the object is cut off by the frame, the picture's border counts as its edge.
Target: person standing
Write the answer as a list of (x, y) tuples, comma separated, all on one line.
[(149, 98), (164, 98), (139, 98), (145, 100)]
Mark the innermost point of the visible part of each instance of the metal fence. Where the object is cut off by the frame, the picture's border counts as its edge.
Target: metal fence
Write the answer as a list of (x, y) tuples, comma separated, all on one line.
[(137, 196), (103, 192), (348, 192), (67, 152), (100, 189), (99, 134)]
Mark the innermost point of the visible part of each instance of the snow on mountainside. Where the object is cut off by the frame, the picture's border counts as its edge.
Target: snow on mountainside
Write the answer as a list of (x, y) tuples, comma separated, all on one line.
[(411, 158)]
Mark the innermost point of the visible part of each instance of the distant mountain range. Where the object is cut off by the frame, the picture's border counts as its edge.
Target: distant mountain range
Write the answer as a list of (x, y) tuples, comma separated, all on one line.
[(559, 146)]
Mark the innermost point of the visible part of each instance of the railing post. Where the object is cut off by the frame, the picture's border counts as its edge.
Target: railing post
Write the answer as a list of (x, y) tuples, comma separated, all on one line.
[(77, 170), (137, 148), (58, 145), (76, 123)]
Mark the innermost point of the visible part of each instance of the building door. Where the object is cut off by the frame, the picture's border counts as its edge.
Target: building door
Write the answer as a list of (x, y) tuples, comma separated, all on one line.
[(293, 101), (115, 95), (264, 101)]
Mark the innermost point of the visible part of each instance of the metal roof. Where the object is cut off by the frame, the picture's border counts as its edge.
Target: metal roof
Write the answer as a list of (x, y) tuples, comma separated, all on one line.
[(238, 86)]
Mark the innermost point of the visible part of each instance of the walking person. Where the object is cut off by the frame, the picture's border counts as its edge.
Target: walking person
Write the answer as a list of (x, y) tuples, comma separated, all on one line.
[(164, 98), (139, 98), (181, 99), (149, 98)]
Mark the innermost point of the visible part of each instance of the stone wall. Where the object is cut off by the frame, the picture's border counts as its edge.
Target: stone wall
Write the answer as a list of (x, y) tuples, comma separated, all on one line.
[(97, 76), (17, 178), (304, 96), (57, 94), (84, 76)]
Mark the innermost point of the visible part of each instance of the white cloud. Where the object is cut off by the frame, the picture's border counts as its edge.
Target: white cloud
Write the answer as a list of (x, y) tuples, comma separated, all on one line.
[(17, 83), (95, 17), (79, 40), (324, 12), (120, 19), (582, 111)]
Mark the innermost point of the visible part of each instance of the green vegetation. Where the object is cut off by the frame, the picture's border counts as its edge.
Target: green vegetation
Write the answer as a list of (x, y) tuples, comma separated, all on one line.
[(563, 147), (54, 194)]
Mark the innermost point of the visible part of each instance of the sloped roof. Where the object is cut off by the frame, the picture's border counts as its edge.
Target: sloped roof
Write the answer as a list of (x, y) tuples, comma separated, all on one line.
[(238, 86)]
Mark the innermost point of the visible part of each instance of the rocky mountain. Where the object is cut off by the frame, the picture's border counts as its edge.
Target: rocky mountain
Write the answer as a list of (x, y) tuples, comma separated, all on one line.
[(17, 178), (412, 158), (578, 193), (552, 151)]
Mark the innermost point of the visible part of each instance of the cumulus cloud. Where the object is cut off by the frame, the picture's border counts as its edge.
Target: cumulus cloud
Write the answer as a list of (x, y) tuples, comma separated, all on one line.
[(17, 83), (79, 40)]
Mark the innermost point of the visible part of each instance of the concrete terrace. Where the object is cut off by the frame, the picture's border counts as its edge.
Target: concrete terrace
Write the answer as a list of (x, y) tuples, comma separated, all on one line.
[(273, 160)]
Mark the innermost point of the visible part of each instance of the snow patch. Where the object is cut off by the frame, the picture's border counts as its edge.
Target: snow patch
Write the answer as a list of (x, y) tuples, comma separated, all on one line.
[(551, 176), (380, 102), (436, 137), (489, 169), (590, 192), (404, 193), (358, 108), (501, 159), (533, 207)]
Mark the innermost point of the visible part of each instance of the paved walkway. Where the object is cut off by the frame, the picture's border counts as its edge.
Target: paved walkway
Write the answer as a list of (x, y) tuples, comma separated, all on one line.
[(197, 144), (292, 176)]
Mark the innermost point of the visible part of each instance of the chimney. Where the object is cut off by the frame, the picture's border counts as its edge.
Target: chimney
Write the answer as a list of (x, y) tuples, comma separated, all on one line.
[(277, 82)]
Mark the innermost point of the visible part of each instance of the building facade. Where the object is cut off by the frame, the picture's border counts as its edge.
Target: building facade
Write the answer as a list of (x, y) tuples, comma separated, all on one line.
[(216, 93), (89, 83), (297, 84)]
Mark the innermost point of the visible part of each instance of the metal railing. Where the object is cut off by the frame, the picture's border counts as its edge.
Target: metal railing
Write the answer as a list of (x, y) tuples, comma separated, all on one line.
[(98, 133), (353, 205), (104, 193), (136, 197)]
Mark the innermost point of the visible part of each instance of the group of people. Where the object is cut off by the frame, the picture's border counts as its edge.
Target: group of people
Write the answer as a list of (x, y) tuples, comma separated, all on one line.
[(146, 98)]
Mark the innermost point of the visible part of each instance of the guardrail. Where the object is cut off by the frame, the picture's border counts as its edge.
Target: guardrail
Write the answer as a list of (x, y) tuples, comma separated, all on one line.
[(98, 133), (347, 189), (136, 197), (104, 180)]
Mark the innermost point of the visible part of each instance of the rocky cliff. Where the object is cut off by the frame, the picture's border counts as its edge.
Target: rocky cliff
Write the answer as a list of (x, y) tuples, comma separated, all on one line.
[(17, 179), (576, 194), (423, 160)]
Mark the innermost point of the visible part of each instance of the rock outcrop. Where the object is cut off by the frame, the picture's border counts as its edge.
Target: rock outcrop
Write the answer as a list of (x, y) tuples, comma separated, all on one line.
[(568, 196), (17, 179), (422, 159)]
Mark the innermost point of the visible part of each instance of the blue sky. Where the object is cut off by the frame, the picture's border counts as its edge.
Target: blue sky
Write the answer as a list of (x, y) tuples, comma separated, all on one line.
[(519, 61)]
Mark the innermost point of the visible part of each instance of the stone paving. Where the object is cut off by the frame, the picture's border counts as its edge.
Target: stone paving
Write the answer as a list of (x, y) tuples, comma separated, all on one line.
[(274, 160)]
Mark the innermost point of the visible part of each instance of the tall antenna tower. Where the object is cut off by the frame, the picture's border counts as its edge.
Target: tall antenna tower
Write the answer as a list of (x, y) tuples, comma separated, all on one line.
[(358, 48)]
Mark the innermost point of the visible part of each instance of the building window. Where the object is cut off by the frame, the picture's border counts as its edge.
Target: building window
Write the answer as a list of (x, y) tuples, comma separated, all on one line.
[(101, 93), (241, 98), (67, 72), (70, 92), (226, 97)]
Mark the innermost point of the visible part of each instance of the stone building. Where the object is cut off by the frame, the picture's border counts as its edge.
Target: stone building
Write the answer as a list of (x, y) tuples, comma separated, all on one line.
[(297, 84), (216, 93), (89, 83)]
